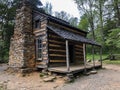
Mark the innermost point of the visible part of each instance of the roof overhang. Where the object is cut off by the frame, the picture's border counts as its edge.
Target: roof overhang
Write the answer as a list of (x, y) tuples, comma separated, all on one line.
[(72, 36)]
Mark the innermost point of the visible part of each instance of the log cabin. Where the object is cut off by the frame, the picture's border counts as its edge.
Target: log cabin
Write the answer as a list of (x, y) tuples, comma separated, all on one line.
[(46, 42)]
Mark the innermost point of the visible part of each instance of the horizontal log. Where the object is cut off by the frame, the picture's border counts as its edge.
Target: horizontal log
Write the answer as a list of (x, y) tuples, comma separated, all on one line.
[(40, 33), (45, 58), (78, 53), (56, 39), (78, 50), (57, 58), (79, 46), (57, 61), (57, 42), (55, 45), (57, 50), (55, 36), (52, 55)]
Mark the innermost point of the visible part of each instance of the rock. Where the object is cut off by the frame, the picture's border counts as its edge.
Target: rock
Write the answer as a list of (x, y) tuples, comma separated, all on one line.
[(49, 79), (93, 72), (87, 73), (68, 79), (50, 73), (60, 76)]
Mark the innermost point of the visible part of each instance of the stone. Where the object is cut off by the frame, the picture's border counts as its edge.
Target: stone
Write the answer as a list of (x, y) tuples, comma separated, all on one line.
[(93, 72), (50, 73), (68, 79), (49, 79), (22, 47), (60, 76)]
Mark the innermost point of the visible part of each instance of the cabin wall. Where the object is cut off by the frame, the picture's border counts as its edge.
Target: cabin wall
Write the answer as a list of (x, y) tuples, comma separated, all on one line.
[(57, 50), (42, 32), (79, 57)]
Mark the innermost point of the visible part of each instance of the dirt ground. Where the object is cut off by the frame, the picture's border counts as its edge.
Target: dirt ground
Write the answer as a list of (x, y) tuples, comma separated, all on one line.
[(105, 79)]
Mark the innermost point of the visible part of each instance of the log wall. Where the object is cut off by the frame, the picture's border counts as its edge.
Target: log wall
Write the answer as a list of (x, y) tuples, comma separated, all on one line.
[(42, 32), (57, 52), (57, 49)]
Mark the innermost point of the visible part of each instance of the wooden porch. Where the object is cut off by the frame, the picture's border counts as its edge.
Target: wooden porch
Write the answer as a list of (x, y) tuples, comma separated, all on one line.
[(74, 68)]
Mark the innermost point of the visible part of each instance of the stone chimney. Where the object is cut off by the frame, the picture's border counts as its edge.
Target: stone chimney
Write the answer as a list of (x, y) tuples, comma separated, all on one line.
[(22, 48)]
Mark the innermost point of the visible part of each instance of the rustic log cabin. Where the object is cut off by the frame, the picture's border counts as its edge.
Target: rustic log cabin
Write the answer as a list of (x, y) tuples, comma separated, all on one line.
[(46, 42)]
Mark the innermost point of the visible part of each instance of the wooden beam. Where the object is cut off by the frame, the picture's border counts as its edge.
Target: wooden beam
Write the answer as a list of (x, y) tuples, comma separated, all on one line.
[(67, 56), (93, 51), (84, 52), (101, 55)]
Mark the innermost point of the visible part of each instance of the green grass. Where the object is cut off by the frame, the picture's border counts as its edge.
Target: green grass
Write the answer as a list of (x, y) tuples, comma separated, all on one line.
[(96, 56), (116, 62)]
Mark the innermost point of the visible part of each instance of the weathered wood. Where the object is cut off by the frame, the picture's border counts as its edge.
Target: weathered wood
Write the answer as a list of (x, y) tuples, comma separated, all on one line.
[(84, 52), (59, 55), (67, 56), (93, 56), (79, 53), (66, 28), (57, 58), (57, 50), (78, 50), (57, 42), (53, 45), (101, 55), (57, 61), (78, 46)]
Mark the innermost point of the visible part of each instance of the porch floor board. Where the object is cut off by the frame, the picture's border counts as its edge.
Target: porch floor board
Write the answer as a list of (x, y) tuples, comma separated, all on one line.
[(73, 68)]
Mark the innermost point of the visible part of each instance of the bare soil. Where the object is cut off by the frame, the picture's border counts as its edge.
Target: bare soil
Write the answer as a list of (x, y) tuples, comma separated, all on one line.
[(106, 79)]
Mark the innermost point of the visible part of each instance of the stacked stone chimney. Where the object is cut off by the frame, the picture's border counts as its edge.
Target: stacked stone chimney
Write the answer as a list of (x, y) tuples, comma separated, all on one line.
[(22, 48)]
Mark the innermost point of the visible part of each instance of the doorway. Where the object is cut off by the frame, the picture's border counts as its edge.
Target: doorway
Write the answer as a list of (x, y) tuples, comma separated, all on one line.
[(71, 53)]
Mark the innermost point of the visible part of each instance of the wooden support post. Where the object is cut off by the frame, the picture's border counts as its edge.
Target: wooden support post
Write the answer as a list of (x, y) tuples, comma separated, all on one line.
[(84, 52), (101, 55), (67, 56), (93, 50)]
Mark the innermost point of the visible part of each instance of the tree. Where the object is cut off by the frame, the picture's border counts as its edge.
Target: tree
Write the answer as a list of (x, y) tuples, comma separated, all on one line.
[(116, 4), (87, 7), (67, 17), (48, 8), (84, 24), (113, 39)]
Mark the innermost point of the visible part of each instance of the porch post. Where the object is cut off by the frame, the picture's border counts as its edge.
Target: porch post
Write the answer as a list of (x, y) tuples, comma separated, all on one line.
[(84, 53), (101, 55), (93, 56), (67, 56)]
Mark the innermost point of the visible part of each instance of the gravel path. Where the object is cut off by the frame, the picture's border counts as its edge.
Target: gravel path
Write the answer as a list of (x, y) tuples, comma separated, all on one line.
[(105, 79)]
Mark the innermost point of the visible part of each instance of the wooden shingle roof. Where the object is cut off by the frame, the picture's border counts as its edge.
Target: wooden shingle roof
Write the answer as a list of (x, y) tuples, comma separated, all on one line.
[(72, 36)]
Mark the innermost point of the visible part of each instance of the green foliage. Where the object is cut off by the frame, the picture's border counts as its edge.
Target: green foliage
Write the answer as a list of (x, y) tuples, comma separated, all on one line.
[(48, 8), (83, 24), (113, 39), (7, 15)]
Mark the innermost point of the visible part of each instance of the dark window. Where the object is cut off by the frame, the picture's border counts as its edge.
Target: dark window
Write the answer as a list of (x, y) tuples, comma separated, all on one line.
[(39, 46), (37, 24)]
